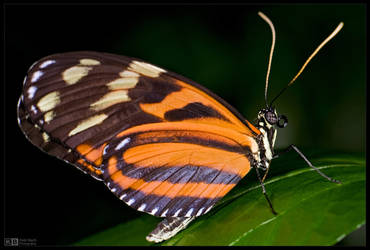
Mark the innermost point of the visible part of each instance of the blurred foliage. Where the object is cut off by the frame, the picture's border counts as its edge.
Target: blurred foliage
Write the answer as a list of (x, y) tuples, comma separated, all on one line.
[(223, 47)]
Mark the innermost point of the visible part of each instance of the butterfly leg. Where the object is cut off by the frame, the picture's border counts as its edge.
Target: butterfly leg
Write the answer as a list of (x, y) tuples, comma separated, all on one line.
[(168, 228), (308, 162), (264, 191), (264, 176)]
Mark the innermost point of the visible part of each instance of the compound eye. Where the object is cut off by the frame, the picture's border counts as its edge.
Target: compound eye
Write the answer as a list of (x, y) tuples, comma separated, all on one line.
[(283, 121), (271, 117)]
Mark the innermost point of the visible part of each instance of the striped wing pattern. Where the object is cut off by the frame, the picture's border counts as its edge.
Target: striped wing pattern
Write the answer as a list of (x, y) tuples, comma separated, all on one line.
[(161, 143)]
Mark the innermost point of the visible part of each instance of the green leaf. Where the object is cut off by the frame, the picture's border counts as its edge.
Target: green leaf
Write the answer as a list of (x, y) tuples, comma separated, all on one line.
[(311, 210)]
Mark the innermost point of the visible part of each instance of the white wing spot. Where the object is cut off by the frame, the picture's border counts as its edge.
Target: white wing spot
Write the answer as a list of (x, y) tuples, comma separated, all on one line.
[(131, 201), (142, 207), (31, 92), (114, 190), (33, 109), (154, 211), (177, 212), (164, 213), (110, 99), (188, 214), (200, 211), (75, 73), (129, 74), (46, 137), (88, 61), (88, 123), (46, 63), (122, 143), (49, 101), (49, 116), (208, 209), (105, 149), (123, 83), (145, 69), (123, 196), (36, 76)]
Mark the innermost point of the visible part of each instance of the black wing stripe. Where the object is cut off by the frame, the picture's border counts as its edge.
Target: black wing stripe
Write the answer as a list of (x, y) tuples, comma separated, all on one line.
[(191, 111), (179, 174)]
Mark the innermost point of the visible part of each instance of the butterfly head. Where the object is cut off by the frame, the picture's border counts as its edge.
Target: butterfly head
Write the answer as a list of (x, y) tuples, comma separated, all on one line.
[(268, 118)]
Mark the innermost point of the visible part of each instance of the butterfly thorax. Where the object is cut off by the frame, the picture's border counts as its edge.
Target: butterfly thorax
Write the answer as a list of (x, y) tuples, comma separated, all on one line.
[(266, 120)]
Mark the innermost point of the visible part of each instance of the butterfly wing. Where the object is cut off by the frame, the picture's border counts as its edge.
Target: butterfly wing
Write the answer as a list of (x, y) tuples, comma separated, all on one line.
[(162, 143)]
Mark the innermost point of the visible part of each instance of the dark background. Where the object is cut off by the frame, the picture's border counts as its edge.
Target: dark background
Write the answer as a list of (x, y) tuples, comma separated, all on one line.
[(223, 47)]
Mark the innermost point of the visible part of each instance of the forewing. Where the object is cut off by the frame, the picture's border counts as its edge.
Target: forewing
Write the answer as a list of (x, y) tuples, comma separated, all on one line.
[(76, 105)]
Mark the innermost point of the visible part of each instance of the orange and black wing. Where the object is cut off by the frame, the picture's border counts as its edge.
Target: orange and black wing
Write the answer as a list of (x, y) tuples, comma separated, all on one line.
[(162, 143)]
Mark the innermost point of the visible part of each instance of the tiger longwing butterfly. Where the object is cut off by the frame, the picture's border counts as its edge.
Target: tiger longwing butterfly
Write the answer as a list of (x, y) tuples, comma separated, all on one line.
[(160, 142)]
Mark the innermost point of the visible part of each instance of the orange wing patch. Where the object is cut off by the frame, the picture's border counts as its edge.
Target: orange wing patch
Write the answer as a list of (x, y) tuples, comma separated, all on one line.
[(92, 154), (208, 100), (189, 94), (180, 161), (182, 154), (89, 168)]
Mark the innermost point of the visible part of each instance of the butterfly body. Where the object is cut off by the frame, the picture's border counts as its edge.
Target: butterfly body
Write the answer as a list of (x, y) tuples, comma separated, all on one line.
[(161, 143)]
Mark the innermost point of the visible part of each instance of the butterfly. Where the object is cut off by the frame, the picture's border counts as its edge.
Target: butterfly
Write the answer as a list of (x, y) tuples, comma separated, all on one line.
[(160, 142)]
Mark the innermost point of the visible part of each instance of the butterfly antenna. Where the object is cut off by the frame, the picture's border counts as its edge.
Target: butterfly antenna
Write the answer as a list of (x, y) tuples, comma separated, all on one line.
[(268, 21), (334, 33)]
